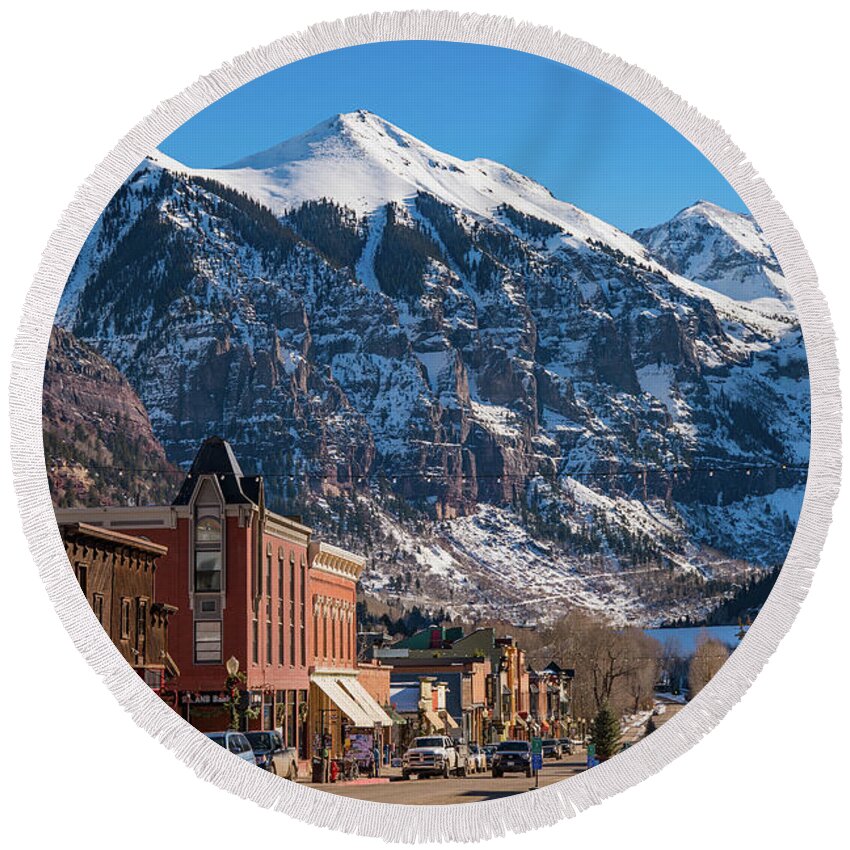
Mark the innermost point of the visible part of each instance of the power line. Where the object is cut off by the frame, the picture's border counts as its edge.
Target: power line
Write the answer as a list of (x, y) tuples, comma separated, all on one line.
[(377, 475)]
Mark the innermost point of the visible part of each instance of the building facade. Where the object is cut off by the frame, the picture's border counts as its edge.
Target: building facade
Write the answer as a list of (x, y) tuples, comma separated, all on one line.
[(117, 575), (238, 574), (342, 709), (250, 584)]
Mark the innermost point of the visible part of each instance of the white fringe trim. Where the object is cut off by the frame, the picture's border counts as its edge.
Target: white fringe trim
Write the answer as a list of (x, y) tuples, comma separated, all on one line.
[(401, 822)]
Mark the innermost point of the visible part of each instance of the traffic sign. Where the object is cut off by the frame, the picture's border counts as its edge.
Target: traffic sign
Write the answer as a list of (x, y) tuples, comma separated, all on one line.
[(591, 751), (536, 761), (536, 745)]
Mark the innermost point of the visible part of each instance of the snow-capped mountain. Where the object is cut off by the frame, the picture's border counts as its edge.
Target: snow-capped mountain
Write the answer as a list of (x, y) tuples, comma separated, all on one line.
[(722, 250), (390, 333), (364, 162)]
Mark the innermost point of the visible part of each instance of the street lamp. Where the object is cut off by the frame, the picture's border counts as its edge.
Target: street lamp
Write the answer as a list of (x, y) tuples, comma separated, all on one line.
[(232, 666)]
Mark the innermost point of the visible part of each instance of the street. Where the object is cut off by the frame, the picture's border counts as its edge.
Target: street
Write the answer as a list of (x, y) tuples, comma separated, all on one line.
[(472, 789)]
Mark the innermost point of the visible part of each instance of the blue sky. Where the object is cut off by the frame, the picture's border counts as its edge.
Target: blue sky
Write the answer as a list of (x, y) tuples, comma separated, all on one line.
[(588, 143)]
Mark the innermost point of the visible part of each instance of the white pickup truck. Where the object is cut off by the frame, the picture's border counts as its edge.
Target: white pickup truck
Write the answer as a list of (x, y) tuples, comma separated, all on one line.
[(435, 755)]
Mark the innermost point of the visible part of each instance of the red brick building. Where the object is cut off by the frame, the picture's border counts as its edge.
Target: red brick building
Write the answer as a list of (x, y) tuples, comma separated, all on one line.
[(238, 574), (339, 702), (250, 584)]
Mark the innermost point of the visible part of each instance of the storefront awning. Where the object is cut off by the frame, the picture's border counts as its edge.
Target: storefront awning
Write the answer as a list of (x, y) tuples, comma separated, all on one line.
[(519, 721), (331, 686), (451, 723), (435, 720), (366, 701)]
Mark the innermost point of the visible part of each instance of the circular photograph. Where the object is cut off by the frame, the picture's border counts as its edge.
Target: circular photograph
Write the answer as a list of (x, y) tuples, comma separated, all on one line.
[(426, 422)]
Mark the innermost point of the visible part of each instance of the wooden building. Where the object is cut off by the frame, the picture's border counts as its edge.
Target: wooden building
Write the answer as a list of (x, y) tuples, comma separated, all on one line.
[(116, 573)]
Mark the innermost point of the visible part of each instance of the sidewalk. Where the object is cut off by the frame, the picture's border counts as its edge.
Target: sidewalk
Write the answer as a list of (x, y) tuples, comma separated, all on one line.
[(388, 774)]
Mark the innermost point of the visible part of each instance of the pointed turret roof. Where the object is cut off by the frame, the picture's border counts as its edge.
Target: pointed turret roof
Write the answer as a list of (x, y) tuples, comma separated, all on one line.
[(216, 457)]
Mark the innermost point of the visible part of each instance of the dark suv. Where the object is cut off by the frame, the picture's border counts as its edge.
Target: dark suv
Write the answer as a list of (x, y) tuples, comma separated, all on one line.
[(512, 757)]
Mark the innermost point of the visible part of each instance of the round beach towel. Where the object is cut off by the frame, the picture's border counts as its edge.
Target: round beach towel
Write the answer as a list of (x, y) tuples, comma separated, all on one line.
[(433, 411)]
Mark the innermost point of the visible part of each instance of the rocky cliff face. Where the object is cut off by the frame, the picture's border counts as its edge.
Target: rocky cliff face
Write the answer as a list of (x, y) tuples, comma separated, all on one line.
[(98, 444), (446, 342)]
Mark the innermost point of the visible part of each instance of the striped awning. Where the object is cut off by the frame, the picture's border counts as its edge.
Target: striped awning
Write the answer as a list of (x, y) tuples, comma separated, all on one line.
[(330, 685), (366, 701)]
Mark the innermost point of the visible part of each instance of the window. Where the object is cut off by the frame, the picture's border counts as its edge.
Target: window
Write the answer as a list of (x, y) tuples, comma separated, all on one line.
[(281, 652), (302, 739), (291, 608), (325, 635), (208, 642), (269, 575), (125, 618), (82, 573), (255, 634), (97, 606), (333, 636), (208, 532), (269, 628), (207, 572), (291, 728), (238, 744), (280, 649), (208, 555), (141, 627)]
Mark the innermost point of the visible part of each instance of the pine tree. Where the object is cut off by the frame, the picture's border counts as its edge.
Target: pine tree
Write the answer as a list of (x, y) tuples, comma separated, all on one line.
[(606, 733)]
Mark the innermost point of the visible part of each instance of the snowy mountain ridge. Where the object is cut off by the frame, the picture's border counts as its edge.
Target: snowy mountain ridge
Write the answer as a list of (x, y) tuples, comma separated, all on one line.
[(363, 162), (390, 333), (724, 251)]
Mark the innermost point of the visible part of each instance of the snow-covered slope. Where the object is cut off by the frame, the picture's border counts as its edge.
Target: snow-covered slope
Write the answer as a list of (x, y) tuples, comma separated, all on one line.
[(361, 161), (723, 250), (362, 315)]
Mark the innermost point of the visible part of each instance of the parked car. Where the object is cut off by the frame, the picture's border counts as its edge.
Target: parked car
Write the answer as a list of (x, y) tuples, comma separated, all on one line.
[(478, 760), (433, 755), (551, 749), (512, 757), (234, 742), (566, 746), (464, 757), (272, 756)]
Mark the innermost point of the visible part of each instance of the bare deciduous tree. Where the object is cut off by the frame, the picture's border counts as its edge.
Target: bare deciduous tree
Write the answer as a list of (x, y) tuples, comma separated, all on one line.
[(709, 657), (614, 666)]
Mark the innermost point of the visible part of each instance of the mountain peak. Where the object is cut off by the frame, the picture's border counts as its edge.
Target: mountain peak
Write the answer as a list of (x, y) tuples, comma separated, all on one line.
[(344, 134), (715, 214), (723, 250)]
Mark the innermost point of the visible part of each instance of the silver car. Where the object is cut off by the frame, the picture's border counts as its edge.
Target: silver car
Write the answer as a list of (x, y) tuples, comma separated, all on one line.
[(234, 742)]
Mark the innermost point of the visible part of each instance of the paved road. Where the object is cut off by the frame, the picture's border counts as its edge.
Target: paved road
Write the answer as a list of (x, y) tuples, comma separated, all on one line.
[(472, 789)]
